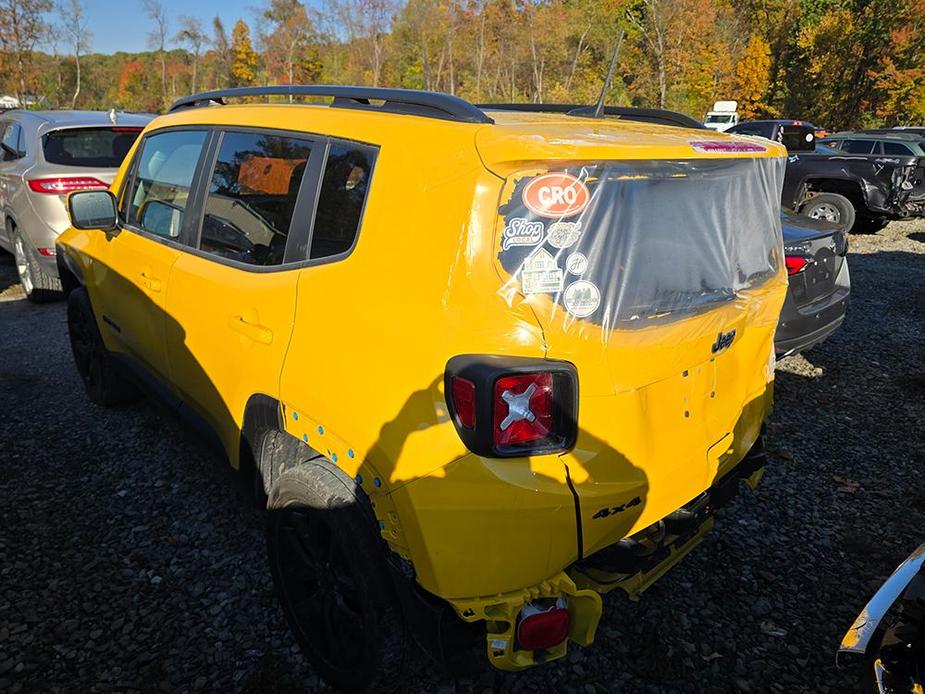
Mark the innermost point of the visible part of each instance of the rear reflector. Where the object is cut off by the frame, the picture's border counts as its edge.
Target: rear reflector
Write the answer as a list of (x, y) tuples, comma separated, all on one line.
[(542, 629), (795, 263), (62, 186), (464, 401)]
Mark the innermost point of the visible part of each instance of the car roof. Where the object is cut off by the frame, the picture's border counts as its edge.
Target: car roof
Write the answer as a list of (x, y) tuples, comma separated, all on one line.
[(904, 137), (85, 118)]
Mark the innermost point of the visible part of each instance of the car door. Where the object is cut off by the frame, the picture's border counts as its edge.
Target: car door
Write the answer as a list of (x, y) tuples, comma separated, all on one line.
[(9, 136), (131, 278), (231, 298)]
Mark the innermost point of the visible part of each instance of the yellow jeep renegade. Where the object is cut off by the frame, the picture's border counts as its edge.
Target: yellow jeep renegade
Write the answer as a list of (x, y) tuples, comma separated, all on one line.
[(482, 365)]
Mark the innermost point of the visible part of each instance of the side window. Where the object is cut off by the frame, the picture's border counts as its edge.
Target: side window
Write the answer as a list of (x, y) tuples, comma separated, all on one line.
[(11, 139), (340, 202), (161, 184), (896, 148), (859, 146), (252, 195)]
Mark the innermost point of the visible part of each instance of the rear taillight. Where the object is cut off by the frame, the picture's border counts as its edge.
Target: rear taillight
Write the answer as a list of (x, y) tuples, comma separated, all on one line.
[(796, 263), (505, 407), (62, 186), (541, 628)]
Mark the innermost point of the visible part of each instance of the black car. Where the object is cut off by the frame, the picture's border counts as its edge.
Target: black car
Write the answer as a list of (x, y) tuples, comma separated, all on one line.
[(817, 265), (795, 135)]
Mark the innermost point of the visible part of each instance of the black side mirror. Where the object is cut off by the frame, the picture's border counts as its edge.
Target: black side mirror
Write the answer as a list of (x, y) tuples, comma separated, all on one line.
[(92, 209)]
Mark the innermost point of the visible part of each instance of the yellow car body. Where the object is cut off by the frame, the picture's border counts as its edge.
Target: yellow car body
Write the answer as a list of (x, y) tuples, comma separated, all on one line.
[(354, 353)]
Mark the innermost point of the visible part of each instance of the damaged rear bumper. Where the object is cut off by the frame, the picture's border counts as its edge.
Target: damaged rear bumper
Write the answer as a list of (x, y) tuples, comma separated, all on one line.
[(633, 564)]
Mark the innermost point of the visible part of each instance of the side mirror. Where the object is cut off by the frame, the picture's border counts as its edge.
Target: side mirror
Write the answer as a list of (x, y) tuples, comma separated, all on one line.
[(92, 209)]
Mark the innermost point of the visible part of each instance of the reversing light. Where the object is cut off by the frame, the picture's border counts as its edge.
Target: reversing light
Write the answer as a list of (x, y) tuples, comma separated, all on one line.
[(523, 409), (541, 628), (62, 186), (464, 401), (795, 263)]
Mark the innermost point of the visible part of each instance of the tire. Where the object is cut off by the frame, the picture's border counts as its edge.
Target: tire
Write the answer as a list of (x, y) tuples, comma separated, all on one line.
[(104, 383), (38, 286), (830, 207), (869, 225), (331, 574)]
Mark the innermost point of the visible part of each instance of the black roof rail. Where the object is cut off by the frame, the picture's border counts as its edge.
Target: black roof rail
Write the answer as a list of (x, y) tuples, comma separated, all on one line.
[(646, 115), (402, 101)]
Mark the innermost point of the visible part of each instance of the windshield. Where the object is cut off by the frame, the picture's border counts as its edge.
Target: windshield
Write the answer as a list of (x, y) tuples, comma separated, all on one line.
[(98, 148), (622, 243), (725, 118)]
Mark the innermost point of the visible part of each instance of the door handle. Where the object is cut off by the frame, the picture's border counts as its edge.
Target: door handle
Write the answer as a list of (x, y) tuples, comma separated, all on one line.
[(254, 331), (151, 282)]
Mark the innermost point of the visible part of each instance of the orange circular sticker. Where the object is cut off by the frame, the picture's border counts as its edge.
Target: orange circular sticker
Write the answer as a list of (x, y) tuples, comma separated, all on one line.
[(556, 195)]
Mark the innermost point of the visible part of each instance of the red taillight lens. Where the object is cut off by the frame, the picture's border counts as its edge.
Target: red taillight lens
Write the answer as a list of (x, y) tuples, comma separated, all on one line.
[(523, 409), (62, 186), (464, 401), (542, 630), (795, 263), (47, 252)]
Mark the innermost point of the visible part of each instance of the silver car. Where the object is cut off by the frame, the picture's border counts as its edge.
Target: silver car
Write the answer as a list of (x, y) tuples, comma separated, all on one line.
[(44, 155)]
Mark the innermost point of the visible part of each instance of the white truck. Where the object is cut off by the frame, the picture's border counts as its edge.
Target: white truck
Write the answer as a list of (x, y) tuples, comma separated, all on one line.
[(723, 116)]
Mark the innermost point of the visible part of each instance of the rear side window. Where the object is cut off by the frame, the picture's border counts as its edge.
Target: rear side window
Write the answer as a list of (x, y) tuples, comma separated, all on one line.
[(343, 193), (252, 196), (797, 138), (102, 148), (13, 142), (896, 148), (161, 184), (859, 146)]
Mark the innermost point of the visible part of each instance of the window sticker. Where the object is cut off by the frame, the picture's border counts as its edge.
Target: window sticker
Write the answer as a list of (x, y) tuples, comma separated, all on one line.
[(576, 263), (540, 274), (582, 298), (564, 234), (522, 232), (556, 195), (727, 146)]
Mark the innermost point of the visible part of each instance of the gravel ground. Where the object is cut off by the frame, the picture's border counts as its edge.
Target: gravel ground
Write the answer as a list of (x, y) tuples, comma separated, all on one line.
[(129, 562)]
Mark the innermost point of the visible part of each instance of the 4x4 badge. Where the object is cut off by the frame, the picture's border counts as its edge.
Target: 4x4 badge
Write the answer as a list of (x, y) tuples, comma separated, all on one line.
[(723, 340)]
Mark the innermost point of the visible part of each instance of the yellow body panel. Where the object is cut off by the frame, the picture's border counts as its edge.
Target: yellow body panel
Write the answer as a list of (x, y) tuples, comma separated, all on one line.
[(355, 351)]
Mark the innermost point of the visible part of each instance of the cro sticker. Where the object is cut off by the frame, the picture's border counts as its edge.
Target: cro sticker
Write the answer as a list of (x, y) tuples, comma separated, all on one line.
[(556, 195), (521, 232), (576, 263), (540, 274), (727, 146), (563, 234), (582, 298)]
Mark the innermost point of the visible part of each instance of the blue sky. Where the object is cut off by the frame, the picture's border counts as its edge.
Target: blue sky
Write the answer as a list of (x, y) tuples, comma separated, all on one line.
[(121, 25)]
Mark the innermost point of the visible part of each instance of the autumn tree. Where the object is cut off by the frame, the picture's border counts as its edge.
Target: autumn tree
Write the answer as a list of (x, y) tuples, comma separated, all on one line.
[(157, 39), (21, 27), (287, 39), (244, 58), (74, 26), (751, 77), (221, 48)]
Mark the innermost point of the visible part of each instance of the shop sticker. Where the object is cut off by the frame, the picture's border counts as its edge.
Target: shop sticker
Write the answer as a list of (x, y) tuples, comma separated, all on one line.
[(582, 298), (576, 263), (563, 234), (521, 232), (556, 195), (727, 146), (540, 274)]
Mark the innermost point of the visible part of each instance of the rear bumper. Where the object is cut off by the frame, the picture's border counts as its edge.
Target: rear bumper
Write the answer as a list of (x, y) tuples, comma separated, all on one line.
[(632, 564), (801, 328)]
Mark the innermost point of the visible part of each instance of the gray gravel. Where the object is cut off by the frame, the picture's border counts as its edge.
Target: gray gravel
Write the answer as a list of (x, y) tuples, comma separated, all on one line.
[(129, 562)]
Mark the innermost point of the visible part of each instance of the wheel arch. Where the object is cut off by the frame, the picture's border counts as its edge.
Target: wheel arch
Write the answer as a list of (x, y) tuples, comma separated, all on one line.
[(848, 187)]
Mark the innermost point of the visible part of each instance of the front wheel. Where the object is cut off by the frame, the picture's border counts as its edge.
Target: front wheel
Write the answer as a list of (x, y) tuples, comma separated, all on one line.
[(330, 570), (830, 207), (105, 385)]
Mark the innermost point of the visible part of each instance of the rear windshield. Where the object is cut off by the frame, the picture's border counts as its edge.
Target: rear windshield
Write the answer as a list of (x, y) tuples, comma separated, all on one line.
[(100, 148), (623, 243)]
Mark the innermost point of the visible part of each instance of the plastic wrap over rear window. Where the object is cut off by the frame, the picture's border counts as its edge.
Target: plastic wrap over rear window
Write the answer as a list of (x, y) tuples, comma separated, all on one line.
[(623, 244)]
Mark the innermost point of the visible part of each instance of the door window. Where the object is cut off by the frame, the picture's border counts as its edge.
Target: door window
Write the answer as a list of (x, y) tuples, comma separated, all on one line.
[(161, 185), (340, 202), (859, 146), (896, 148), (252, 195), (12, 138)]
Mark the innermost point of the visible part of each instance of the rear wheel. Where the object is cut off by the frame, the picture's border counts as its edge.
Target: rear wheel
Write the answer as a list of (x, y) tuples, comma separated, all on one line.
[(830, 207), (330, 569), (38, 285), (104, 383)]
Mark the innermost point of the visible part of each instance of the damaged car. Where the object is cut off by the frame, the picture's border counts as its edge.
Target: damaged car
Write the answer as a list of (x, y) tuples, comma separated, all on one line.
[(889, 633), (815, 253)]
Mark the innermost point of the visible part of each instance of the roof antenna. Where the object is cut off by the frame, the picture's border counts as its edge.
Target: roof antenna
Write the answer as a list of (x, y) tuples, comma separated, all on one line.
[(599, 107)]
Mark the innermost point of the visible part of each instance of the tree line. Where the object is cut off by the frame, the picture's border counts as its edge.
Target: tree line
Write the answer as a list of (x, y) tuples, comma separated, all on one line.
[(839, 63)]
